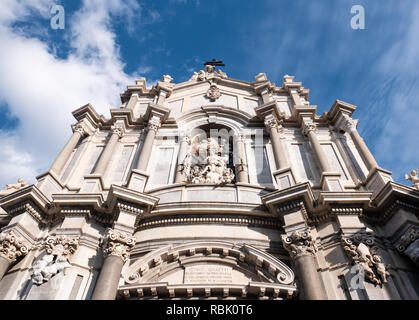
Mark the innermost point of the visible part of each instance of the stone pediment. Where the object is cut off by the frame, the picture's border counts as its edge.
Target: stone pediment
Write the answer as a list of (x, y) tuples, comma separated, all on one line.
[(208, 269)]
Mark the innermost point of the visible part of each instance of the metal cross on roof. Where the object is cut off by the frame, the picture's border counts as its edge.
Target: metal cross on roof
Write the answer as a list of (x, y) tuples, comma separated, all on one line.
[(214, 63)]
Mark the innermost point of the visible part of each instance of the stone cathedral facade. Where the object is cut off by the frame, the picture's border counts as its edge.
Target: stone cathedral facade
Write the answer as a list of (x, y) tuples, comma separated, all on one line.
[(213, 188)]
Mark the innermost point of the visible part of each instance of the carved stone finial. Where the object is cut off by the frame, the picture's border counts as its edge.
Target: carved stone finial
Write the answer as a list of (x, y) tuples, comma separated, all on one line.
[(308, 127), (154, 123), (414, 178), (118, 244), (12, 247), (213, 92), (299, 243), (362, 251)]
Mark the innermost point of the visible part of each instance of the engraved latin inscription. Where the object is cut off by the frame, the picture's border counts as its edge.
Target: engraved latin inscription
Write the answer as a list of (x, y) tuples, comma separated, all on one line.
[(208, 274)]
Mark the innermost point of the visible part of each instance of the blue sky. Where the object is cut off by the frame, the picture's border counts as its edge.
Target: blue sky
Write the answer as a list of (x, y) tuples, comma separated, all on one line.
[(106, 45)]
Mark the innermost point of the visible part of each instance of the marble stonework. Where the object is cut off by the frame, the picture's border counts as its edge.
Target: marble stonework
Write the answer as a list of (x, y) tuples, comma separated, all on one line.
[(212, 188)]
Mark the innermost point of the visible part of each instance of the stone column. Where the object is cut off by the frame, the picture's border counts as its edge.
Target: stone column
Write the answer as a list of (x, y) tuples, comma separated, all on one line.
[(105, 157), (65, 153), (348, 125), (301, 248), (273, 125), (309, 130), (241, 166), (116, 252), (11, 248), (153, 125), (183, 150)]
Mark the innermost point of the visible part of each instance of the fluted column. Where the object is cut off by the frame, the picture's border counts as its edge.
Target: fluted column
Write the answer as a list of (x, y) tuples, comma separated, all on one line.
[(11, 248), (309, 130), (65, 153), (116, 250), (301, 248), (348, 125), (105, 157), (273, 125), (241, 166), (183, 150), (153, 125)]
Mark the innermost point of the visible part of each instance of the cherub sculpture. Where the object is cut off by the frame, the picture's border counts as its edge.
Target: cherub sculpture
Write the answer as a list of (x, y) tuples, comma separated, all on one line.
[(414, 178)]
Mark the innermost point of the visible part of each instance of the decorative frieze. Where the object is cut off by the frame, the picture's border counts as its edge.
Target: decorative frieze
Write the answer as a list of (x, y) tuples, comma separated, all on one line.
[(118, 244), (363, 252), (299, 243), (12, 246)]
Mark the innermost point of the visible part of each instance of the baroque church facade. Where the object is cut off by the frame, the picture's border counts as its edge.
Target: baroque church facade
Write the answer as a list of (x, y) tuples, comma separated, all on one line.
[(214, 188)]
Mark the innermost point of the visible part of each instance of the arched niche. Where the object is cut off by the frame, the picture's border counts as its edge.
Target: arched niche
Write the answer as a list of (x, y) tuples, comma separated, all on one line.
[(208, 269)]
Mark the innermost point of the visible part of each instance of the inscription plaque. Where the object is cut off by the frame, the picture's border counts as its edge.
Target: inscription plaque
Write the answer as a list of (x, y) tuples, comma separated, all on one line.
[(208, 274)]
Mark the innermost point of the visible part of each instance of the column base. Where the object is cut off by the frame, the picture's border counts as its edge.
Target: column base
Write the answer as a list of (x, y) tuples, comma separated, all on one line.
[(284, 178), (377, 179), (330, 181), (137, 180), (92, 184)]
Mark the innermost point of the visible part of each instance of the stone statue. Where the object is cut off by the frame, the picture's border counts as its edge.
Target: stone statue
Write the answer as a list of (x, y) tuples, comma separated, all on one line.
[(214, 169), (362, 252), (414, 177), (47, 267), (13, 187), (58, 250)]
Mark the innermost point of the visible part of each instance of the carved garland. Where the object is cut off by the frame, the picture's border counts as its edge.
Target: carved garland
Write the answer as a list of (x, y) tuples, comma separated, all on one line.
[(363, 252)]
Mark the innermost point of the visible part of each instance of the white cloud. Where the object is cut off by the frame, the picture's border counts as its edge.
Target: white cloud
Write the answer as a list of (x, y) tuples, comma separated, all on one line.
[(42, 90)]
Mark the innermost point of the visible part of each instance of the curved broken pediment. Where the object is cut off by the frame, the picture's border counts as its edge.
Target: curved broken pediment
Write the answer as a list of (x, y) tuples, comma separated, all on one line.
[(208, 268)]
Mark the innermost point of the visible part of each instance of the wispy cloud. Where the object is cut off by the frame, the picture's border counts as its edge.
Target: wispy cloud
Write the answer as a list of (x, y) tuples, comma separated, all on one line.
[(41, 89)]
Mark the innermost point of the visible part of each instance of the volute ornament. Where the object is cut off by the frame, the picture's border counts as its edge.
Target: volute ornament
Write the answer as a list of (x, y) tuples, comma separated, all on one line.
[(409, 244), (12, 247), (299, 243), (118, 244)]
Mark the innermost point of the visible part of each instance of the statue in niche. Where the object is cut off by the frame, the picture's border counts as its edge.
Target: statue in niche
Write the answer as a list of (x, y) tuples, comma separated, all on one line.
[(13, 187), (414, 178), (213, 169)]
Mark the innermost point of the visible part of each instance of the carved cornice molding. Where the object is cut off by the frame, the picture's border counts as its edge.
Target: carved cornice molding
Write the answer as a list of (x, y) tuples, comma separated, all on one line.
[(299, 243), (118, 244), (12, 246)]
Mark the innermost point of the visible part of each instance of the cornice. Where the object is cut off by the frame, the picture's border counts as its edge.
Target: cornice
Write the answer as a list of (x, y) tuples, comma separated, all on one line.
[(340, 108)]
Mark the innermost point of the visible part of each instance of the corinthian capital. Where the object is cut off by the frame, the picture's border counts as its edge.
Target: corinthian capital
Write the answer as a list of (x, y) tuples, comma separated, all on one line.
[(119, 130), (308, 127), (118, 244), (154, 123), (272, 123), (299, 243), (61, 245), (347, 124), (12, 246), (78, 127)]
